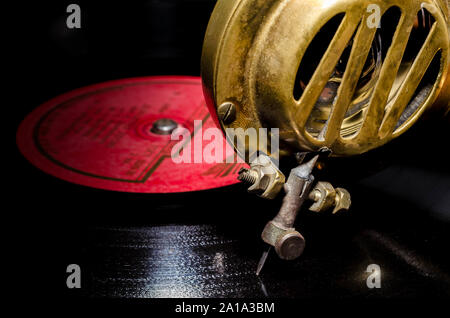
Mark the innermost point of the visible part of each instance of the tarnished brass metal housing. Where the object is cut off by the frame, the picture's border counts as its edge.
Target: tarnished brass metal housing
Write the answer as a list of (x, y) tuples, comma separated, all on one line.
[(253, 50)]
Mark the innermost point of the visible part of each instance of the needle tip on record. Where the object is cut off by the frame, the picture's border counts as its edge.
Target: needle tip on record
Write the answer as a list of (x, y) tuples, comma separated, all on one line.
[(262, 261)]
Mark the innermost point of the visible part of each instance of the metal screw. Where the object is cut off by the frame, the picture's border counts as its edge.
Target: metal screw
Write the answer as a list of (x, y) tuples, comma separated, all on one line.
[(227, 112)]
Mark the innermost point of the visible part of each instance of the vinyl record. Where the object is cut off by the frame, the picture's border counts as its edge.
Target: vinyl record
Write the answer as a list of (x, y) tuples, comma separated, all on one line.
[(117, 136)]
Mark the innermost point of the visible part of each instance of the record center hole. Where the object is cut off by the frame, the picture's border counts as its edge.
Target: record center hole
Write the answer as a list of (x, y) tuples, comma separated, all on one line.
[(164, 126)]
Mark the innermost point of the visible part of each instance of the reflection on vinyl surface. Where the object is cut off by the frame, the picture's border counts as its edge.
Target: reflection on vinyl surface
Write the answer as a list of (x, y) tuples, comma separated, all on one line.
[(214, 251), (203, 261)]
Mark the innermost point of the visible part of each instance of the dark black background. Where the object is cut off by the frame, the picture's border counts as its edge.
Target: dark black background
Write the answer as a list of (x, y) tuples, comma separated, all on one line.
[(401, 200)]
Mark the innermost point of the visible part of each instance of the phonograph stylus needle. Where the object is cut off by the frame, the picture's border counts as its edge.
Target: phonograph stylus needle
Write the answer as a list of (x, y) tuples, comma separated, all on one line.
[(262, 261)]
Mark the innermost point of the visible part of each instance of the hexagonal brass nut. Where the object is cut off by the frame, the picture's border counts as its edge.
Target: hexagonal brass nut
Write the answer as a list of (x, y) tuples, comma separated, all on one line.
[(270, 179), (323, 196), (343, 200)]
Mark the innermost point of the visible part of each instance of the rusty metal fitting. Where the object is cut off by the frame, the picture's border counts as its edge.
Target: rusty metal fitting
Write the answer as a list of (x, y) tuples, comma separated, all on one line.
[(289, 244), (280, 232), (265, 178), (325, 196)]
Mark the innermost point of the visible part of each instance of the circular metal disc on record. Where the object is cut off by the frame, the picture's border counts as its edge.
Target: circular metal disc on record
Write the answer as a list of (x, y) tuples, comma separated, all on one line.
[(117, 136)]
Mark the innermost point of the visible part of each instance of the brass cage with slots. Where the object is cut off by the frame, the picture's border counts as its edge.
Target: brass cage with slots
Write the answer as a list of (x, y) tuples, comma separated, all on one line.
[(256, 52)]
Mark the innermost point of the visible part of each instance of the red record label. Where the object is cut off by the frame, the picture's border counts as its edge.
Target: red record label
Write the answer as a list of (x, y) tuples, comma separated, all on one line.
[(102, 136)]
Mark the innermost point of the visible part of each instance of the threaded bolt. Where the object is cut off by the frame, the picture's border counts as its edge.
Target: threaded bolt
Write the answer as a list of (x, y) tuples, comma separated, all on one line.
[(248, 176)]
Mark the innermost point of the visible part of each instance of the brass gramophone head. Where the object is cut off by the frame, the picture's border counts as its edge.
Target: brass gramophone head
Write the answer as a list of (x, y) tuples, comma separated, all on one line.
[(342, 75)]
